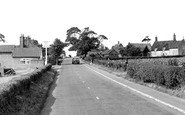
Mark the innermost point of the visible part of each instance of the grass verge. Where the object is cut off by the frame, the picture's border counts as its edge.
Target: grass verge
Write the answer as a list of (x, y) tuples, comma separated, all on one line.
[(31, 101), (174, 92)]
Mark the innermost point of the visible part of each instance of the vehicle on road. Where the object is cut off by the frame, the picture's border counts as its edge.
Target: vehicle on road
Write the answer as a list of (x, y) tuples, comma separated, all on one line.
[(76, 60)]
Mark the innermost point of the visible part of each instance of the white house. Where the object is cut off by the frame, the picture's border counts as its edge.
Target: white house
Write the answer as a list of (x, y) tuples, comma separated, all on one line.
[(168, 48)]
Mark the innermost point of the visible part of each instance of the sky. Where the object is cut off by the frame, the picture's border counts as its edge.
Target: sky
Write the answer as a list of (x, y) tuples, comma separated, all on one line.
[(119, 20)]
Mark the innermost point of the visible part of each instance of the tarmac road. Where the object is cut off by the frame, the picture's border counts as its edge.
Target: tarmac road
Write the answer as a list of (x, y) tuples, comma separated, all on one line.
[(79, 90)]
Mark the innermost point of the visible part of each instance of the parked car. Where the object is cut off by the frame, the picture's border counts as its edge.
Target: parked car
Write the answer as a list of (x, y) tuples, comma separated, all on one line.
[(75, 60)]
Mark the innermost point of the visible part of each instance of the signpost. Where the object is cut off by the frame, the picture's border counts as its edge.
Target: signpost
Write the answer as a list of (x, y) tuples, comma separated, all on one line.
[(46, 45)]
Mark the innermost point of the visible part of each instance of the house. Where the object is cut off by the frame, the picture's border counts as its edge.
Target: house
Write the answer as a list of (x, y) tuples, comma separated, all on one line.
[(117, 48), (24, 55), (111, 54), (144, 48), (6, 55), (168, 48)]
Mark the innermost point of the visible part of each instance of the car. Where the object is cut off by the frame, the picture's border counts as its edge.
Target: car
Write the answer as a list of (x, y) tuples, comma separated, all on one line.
[(75, 60)]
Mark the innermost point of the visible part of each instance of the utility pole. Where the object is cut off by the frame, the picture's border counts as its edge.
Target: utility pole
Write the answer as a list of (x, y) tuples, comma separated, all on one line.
[(46, 45)]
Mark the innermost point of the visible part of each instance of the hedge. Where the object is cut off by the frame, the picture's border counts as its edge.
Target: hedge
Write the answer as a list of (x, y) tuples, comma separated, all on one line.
[(115, 64), (10, 90), (169, 76)]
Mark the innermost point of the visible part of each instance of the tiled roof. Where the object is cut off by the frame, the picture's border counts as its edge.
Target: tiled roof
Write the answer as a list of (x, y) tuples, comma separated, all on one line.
[(109, 51), (142, 46), (6, 48), (27, 52), (166, 44)]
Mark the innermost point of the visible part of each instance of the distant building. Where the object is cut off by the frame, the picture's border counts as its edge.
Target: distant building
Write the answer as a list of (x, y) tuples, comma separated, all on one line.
[(24, 55), (117, 48), (168, 48), (111, 54)]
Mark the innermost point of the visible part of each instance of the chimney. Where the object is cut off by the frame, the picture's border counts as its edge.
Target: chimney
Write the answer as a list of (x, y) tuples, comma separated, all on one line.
[(156, 38), (174, 37), (28, 41), (22, 41)]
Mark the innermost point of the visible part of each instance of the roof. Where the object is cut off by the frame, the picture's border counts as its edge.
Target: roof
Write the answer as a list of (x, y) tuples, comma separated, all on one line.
[(27, 52), (109, 51), (166, 44), (6, 48), (142, 46)]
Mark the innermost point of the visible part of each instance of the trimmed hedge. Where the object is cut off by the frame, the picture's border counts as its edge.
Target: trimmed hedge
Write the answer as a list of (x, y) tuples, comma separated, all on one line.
[(9, 91), (169, 76), (115, 64)]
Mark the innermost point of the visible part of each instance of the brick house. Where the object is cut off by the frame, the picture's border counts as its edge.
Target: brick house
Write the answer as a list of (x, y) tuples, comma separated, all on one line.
[(24, 55), (168, 48)]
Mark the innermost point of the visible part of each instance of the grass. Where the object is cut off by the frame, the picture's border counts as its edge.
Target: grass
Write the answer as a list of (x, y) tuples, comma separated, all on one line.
[(30, 102)]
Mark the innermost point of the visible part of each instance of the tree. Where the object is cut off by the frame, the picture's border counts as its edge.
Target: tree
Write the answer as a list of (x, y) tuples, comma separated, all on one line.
[(133, 51), (146, 39), (123, 51), (2, 38), (56, 49), (84, 40), (36, 43)]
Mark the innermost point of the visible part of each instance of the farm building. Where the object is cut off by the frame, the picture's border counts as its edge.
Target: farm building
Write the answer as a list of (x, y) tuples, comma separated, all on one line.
[(168, 48)]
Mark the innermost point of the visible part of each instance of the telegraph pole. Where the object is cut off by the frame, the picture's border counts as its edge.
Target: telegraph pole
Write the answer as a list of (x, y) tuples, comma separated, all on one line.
[(46, 45)]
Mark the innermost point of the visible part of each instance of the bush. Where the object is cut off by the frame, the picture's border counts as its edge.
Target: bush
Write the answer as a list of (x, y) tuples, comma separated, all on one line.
[(173, 62)]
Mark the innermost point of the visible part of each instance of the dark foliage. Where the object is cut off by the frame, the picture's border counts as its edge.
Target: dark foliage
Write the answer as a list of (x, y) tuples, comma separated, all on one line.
[(83, 41)]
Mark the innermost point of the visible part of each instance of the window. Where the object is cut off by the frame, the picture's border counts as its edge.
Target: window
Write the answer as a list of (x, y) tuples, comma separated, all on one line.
[(25, 61)]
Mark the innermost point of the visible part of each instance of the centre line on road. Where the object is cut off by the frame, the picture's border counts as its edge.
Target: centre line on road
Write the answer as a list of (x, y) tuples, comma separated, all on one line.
[(97, 98), (141, 93)]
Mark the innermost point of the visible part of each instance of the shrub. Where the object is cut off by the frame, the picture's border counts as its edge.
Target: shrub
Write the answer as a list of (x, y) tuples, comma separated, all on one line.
[(173, 62)]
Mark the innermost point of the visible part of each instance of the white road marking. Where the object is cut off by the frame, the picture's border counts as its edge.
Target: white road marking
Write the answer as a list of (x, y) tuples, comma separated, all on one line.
[(143, 94), (97, 98), (58, 70), (88, 87)]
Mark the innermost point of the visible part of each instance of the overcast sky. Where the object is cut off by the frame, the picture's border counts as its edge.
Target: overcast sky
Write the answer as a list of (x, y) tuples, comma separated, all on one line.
[(119, 20)]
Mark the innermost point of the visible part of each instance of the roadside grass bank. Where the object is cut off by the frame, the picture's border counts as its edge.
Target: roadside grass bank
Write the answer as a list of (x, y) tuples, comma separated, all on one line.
[(26, 95), (170, 81)]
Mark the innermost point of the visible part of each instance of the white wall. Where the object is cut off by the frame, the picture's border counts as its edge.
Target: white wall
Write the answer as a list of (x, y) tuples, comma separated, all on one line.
[(170, 52)]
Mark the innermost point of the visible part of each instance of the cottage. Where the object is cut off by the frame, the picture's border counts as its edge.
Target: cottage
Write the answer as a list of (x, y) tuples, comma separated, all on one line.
[(27, 56), (21, 56), (111, 54), (6, 55), (168, 48)]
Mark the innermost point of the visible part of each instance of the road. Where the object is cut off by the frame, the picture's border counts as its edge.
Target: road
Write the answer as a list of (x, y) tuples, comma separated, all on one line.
[(85, 90)]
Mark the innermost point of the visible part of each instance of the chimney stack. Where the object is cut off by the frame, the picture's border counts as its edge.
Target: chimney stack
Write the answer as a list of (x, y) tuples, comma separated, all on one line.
[(156, 38), (174, 37), (22, 41)]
